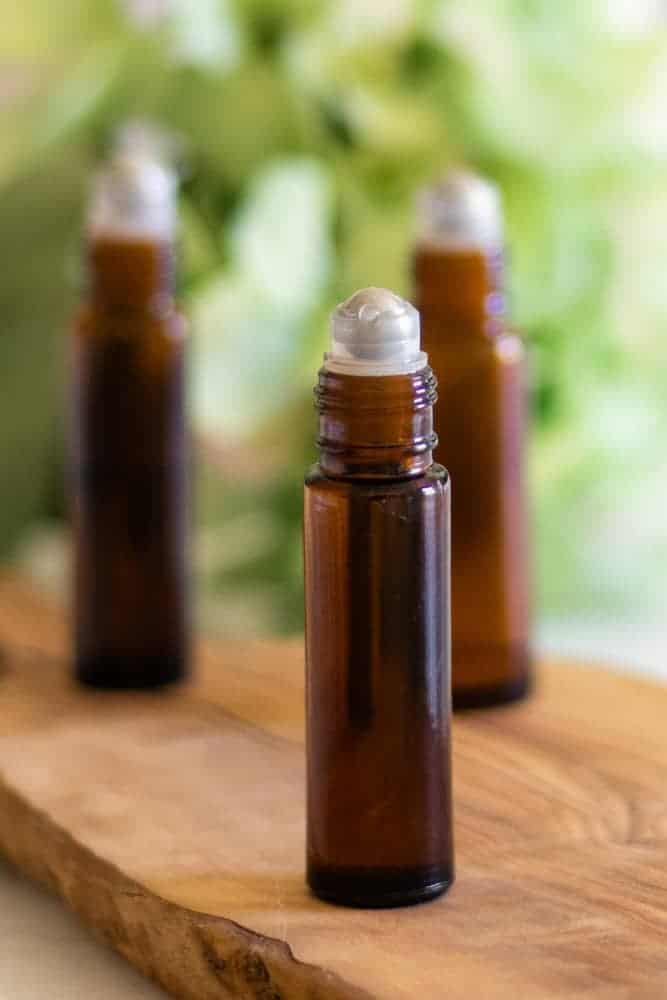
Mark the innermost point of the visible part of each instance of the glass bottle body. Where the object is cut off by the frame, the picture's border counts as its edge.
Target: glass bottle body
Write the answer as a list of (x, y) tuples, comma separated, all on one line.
[(378, 686), (480, 422), (128, 474)]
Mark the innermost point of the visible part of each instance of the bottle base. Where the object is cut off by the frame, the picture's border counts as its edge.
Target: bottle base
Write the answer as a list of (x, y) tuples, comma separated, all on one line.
[(382, 888), (488, 695), (112, 673), (488, 674)]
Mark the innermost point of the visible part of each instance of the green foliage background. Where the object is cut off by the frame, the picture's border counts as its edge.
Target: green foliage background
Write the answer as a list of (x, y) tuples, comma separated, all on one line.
[(307, 128)]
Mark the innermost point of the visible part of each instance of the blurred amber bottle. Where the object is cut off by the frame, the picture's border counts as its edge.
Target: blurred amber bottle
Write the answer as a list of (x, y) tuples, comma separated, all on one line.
[(479, 363), (128, 437), (376, 540)]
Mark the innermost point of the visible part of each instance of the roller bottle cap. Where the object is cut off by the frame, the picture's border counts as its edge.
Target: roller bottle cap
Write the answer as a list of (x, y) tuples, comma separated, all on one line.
[(134, 195), (375, 332), (461, 212)]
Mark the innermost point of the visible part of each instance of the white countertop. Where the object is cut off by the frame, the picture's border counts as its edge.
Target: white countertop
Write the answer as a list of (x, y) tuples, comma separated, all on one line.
[(47, 954)]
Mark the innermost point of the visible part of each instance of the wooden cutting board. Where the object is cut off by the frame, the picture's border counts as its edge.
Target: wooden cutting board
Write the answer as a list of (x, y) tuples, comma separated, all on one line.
[(173, 824)]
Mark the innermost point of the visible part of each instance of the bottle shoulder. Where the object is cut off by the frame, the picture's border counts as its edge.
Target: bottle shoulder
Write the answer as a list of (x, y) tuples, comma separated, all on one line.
[(453, 362), (510, 347), (93, 323), (506, 348), (434, 481)]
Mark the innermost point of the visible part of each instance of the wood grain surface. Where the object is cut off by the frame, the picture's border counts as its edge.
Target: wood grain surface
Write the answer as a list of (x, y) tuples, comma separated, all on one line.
[(173, 825)]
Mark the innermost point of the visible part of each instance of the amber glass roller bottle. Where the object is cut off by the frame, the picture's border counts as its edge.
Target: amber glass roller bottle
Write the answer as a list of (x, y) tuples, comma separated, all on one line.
[(479, 363), (376, 539), (128, 437)]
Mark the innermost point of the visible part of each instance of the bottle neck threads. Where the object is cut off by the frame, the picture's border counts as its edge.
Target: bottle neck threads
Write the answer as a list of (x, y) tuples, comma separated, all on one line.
[(375, 427), (461, 292), (130, 275)]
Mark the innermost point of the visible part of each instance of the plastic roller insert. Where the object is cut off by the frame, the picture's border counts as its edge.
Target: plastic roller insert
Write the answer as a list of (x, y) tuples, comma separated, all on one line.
[(463, 211), (134, 197), (375, 332)]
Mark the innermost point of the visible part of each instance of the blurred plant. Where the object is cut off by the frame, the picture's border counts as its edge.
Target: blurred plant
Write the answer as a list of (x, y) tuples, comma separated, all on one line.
[(308, 126)]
